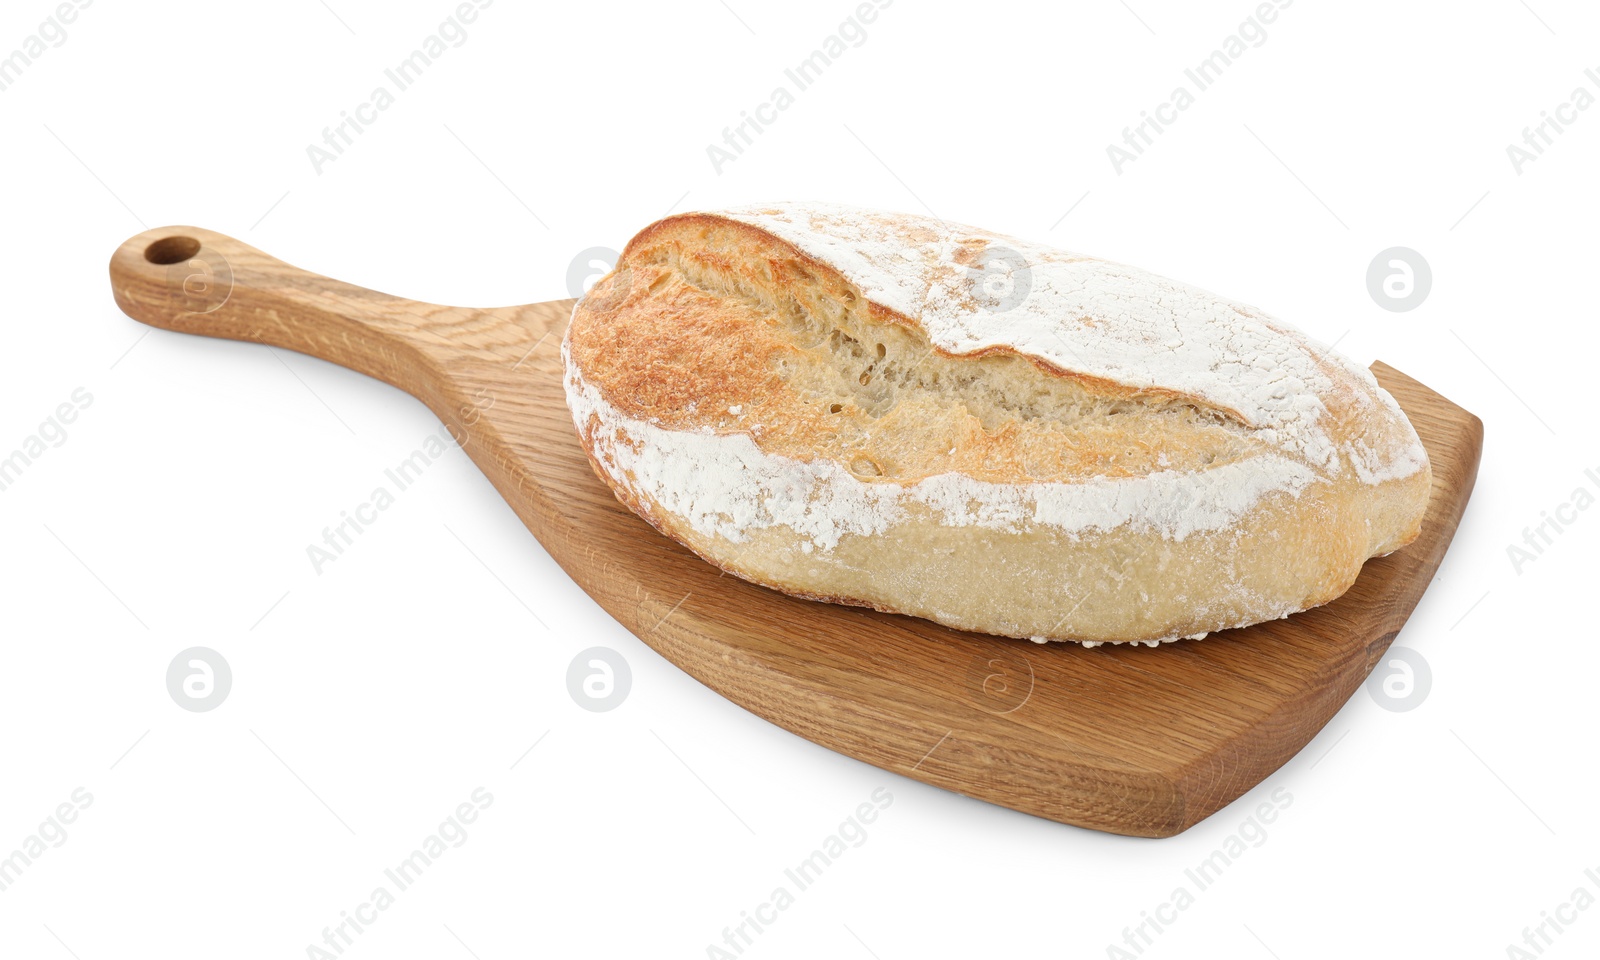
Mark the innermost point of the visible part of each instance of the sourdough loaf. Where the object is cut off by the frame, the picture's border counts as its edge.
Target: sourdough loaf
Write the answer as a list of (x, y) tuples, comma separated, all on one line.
[(931, 419)]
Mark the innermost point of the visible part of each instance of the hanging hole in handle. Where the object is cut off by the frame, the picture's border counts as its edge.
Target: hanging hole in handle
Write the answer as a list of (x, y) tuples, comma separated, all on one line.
[(170, 250)]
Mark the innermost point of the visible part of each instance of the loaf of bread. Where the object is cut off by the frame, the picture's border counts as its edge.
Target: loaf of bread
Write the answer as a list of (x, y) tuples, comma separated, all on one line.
[(930, 419)]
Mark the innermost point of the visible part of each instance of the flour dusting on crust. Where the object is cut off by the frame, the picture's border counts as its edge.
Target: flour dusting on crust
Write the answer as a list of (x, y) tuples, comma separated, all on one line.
[(723, 484)]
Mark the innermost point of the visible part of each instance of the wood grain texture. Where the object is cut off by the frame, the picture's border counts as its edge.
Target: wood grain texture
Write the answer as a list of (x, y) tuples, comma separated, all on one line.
[(1131, 740)]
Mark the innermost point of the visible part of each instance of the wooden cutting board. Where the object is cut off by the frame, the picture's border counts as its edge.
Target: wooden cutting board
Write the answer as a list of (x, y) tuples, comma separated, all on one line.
[(1132, 740)]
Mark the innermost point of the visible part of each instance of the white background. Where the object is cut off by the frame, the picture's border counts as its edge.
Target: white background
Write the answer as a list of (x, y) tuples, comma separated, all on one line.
[(369, 700)]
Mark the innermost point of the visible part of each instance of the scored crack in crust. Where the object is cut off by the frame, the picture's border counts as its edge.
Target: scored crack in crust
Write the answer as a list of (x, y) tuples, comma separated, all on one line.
[(845, 405)]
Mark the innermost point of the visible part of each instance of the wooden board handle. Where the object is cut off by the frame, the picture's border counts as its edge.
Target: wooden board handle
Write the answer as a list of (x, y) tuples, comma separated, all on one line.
[(198, 281), (195, 280)]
